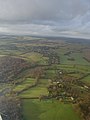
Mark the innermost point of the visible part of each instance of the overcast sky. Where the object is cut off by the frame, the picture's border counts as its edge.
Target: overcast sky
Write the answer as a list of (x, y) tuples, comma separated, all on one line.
[(45, 17)]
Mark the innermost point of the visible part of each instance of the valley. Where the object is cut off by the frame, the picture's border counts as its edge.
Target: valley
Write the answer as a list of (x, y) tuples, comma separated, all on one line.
[(49, 77)]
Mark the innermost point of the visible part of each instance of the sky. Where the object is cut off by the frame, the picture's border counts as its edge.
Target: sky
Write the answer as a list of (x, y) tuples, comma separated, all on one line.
[(45, 17)]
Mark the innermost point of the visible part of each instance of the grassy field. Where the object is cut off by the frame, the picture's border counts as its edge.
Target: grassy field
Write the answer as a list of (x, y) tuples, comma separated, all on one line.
[(70, 68), (78, 59), (36, 91), (77, 56), (48, 110), (76, 75), (35, 57), (86, 79), (50, 73), (27, 82)]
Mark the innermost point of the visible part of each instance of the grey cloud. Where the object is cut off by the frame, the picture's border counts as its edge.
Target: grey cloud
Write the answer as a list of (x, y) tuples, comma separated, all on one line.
[(44, 16), (40, 9)]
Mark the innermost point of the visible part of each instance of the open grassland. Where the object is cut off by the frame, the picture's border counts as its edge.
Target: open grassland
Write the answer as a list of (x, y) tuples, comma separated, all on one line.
[(50, 73), (86, 80), (48, 110), (27, 82), (74, 58), (70, 68), (34, 92), (35, 57), (37, 90)]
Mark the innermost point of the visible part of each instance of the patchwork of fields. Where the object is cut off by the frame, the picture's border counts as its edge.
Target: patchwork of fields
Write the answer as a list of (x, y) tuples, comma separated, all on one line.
[(50, 77)]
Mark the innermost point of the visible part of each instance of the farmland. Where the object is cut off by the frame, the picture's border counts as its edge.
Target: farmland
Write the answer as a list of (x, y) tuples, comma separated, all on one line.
[(50, 76), (47, 110)]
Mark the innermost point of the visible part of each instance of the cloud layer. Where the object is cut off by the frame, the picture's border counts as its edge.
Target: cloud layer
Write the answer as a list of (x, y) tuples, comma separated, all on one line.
[(45, 17)]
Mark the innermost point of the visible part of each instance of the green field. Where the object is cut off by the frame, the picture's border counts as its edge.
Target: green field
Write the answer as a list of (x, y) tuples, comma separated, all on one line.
[(35, 57), (78, 59), (48, 110), (86, 79), (27, 82), (36, 91)]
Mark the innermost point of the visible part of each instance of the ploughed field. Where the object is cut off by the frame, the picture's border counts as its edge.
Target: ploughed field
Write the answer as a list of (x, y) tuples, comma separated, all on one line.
[(49, 76)]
